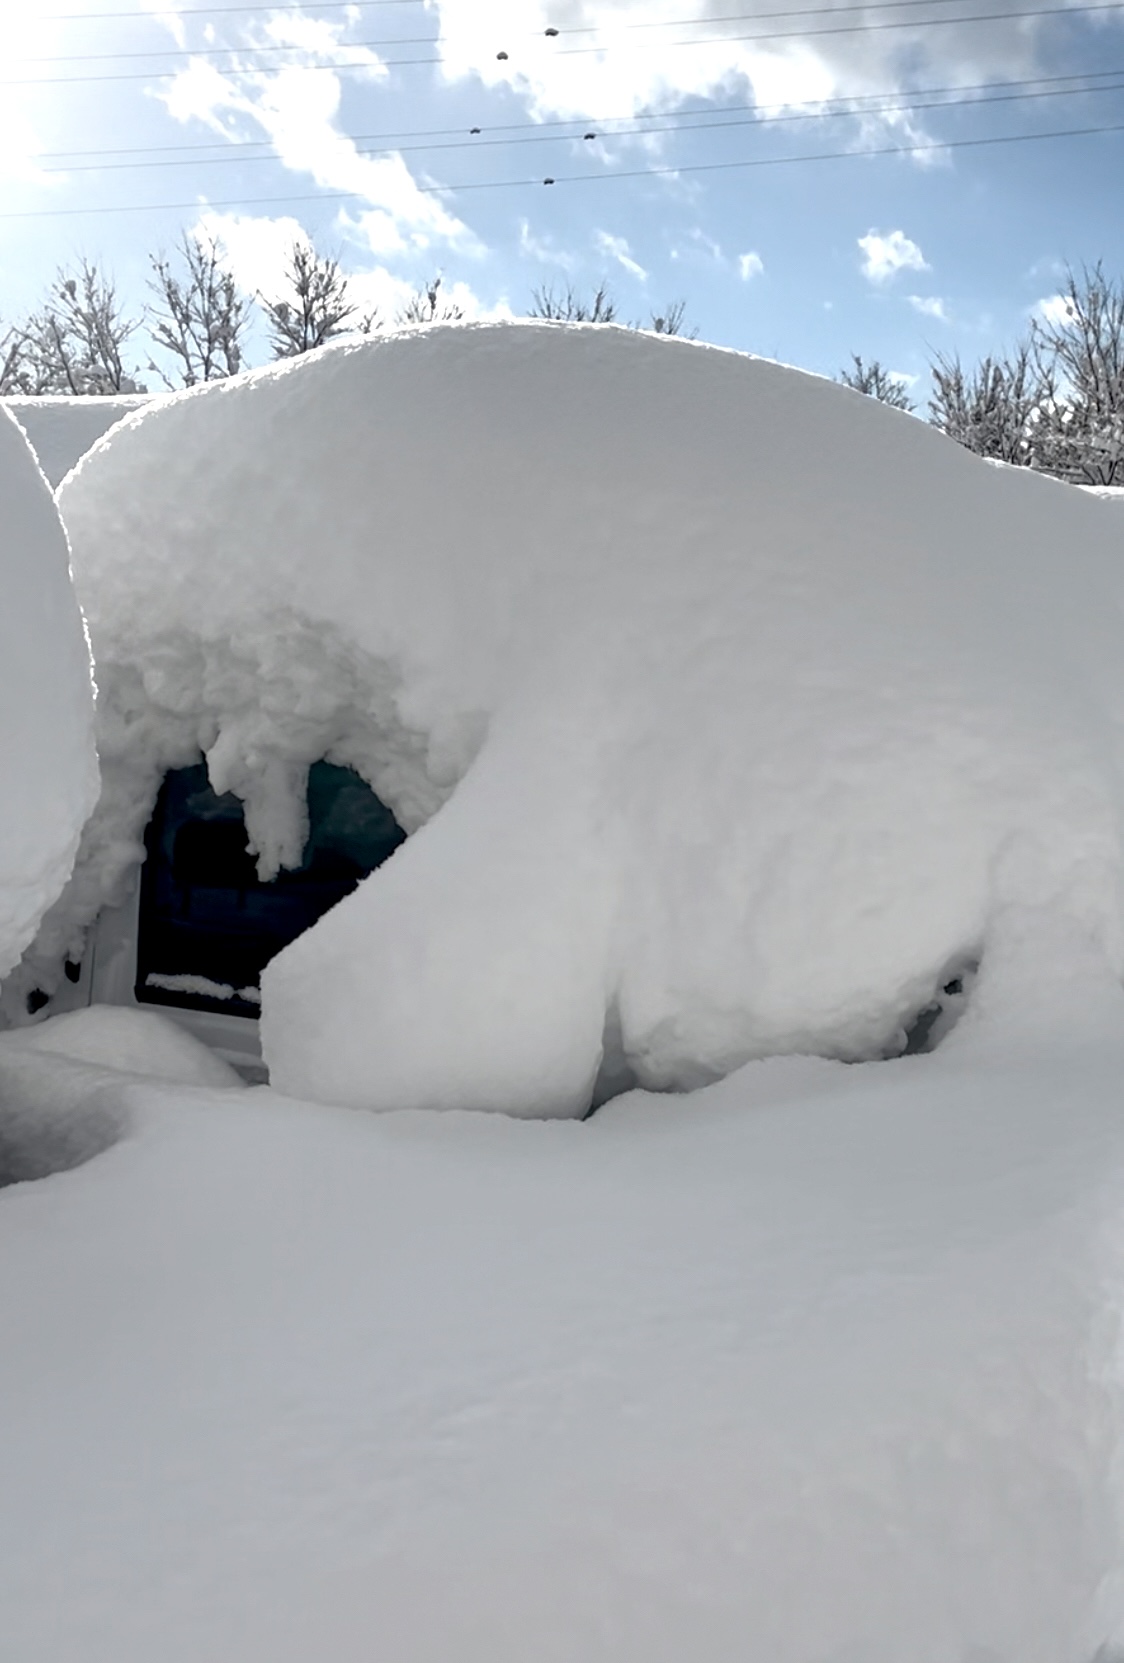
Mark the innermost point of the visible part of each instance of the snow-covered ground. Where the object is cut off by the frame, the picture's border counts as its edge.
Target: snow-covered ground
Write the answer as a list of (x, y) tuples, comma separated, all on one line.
[(819, 1365), (62, 430)]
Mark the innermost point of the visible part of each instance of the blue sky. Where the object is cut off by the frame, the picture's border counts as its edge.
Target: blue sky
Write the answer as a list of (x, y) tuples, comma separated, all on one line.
[(118, 132)]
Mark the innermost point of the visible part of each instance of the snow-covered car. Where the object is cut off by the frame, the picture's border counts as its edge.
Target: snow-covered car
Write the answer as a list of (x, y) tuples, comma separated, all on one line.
[(698, 756)]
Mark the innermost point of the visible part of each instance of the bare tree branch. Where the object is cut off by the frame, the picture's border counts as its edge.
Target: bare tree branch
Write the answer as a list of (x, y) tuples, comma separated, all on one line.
[(568, 306), (201, 316), (876, 382), (425, 306), (314, 307)]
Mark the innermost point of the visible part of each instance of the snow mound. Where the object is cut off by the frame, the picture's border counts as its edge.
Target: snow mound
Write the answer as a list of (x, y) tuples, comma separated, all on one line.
[(126, 1040), (61, 430), (48, 767), (726, 706), (65, 1084)]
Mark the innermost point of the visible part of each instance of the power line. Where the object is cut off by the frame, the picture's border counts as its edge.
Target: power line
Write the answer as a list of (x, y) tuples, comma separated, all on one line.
[(872, 103), (581, 178), (214, 11), (1098, 6), (670, 126), (530, 34)]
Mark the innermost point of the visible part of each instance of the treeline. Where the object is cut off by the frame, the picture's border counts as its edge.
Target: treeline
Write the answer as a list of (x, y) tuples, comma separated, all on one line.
[(84, 342), (1054, 402)]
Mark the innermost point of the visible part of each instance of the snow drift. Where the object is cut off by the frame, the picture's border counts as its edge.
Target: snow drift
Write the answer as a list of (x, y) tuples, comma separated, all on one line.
[(727, 707), (48, 768)]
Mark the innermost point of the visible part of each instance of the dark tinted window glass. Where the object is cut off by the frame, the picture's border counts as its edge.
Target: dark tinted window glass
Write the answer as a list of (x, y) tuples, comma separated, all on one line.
[(208, 925)]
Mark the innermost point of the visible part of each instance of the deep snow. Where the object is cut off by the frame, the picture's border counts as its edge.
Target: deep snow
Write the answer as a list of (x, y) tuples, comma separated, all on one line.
[(48, 766), (730, 705), (819, 1365)]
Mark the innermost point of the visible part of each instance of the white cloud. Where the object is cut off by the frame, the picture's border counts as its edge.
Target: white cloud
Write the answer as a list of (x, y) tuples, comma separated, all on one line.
[(296, 108), (698, 248), (543, 249), (929, 306), (617, 249), (20, 148), (885, 254), (29, 39), (750, 265), (1054, 308), (626, 59), (255, 249), (172, 21)]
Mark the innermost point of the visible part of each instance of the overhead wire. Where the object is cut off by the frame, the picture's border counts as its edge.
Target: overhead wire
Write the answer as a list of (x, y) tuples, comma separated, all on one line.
[(857, 104), (362, 146), (215, 11), (744, 163), (1086, 8), (551, 32)]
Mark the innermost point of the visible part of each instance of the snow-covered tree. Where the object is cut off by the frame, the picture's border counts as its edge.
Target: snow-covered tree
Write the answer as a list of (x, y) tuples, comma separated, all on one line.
[(875, 381), (313, 307), (1081, 436), (998, 408), (74, 344), (11, 352), (200, 315)]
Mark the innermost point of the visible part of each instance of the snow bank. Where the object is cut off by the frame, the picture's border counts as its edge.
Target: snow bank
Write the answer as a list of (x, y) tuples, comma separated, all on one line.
[(726, 706), (62, 430), (48, 768), (821, 1363)]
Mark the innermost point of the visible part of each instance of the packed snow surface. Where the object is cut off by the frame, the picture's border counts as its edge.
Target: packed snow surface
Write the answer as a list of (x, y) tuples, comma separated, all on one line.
[(48, 766), (727, 707), (821, 1364), (62, 430)]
